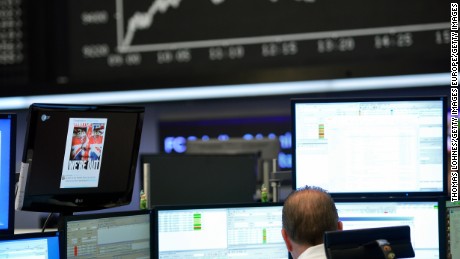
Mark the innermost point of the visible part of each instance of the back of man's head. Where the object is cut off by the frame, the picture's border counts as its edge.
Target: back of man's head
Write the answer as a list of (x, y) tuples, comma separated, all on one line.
[(307, 214)]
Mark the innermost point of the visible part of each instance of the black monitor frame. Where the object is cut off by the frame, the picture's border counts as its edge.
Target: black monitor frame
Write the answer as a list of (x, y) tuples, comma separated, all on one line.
[(70, 199), (186, 179), (32, 235), (94, 216), (157, 209), (11, 171), (443, 99), (441, 203), (362, 243)]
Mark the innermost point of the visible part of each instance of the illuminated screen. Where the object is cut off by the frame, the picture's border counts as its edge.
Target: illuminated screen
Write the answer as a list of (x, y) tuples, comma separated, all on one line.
[(116, 235), (423, 217), (79, 157), (7, 170), (36, 245), (249, 231), (370, 145), (83, 153)]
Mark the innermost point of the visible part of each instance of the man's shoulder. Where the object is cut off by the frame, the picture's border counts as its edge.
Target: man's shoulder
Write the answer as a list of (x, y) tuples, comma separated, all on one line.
[(314, 252)]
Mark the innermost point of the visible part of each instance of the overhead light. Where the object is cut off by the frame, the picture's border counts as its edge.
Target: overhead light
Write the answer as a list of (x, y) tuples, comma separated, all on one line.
[(230, 91)]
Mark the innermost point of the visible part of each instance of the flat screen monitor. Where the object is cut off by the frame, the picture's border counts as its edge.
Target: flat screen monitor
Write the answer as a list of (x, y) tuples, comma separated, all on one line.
[(108, 235), (425, 217), (7, 172), (453, 229), (31, 245), (79, 157), (371, 147), (375, 243), (200, 179), (267, 149), (219, 231)]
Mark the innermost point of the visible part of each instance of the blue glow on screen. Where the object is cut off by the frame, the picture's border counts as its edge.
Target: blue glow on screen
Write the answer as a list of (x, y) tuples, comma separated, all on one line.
[(53, 247), (175, 134), (178, 144), (5, 134), (34, 246)]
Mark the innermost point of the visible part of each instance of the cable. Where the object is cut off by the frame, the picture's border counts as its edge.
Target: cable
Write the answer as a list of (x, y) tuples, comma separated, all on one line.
[(46, 222)]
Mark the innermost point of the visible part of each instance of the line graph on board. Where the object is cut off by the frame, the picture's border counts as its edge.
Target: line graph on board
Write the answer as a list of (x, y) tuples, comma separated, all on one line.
[(140, 21), (144, 20), (191, 36)]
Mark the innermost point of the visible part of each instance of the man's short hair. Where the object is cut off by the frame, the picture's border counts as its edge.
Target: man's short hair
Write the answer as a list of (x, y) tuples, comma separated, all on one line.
[(307, 213)]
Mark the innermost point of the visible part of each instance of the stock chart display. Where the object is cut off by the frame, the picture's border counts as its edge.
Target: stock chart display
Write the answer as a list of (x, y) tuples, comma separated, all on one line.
[(121, 39), (67, 46)]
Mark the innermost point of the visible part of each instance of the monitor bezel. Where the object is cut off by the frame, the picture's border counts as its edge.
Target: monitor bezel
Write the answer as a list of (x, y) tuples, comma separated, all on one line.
[(27, 235), (12, 117), (443, 99), (363, 243), (36, 235), (70, 203), (159, 208), (94, 216), (210, 185), (441, 203), (90, 216)]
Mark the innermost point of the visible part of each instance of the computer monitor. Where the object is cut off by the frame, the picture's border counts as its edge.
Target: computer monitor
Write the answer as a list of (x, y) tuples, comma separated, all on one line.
[(425, 217), (108, 235), (375, 243), (219, 231), (371, 146), (79, 157), (31, 245), (200, 179), (267, 148), (453, 229), (7, 172)]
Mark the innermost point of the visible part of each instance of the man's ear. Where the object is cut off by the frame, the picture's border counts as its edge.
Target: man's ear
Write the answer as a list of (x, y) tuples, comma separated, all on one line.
[(287, 241), (339, 225)]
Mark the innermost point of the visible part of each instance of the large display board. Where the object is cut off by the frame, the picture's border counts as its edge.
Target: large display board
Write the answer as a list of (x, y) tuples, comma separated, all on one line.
[(321, 38), (13, 46), (112, 45)]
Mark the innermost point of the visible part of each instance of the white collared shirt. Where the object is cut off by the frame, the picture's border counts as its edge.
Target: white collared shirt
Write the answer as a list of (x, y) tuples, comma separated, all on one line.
[(314, 252)]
